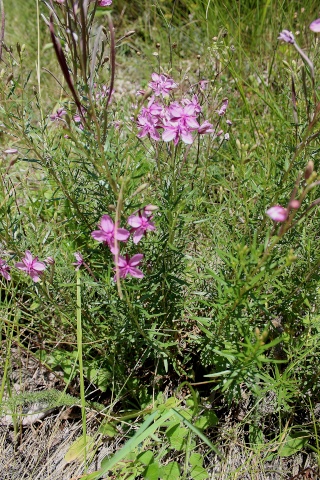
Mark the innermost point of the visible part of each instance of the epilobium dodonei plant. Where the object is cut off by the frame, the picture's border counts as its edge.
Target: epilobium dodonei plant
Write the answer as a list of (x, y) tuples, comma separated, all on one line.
[(179, 246)]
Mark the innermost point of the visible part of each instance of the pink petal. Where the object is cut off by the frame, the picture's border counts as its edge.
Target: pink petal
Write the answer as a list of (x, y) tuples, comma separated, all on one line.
[(168, 135), (28, 257), (134, 221), (315, 25), (21, 266), (137, 235), (107, 224), (186, 137), (135, 260), (135, 272), (34, 275), (122, 262), (39, 266), (122, 234), (99, 236)]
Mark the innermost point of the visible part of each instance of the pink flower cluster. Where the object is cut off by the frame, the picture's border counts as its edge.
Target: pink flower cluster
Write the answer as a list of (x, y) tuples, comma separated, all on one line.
[(110, 234), (172, 121), (29, 264)]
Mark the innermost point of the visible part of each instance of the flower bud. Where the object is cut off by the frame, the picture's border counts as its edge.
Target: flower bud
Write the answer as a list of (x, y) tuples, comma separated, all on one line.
[(309, 169), (295, 204)]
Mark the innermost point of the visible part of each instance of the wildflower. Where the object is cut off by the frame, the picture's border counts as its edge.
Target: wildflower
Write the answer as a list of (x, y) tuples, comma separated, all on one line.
[(206, 127), (58, 115), (4, 269), (31, 266), (11, 151), (315, 25), (162, 85), (104, 3), (174, 131), (223, 108), (228, 122), (140, 223), (194, 102), (295, 204), (277, 213), (148, 125), (227, 136), (108, 233), (79, 261), (203, 84), (127, 266), (287, 36), (50, 261)]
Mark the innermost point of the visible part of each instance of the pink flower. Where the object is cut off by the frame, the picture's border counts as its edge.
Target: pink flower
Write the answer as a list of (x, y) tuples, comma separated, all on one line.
[(194, 103), (277, 213), (184, 115), (127, 266), (140, 223), (31, 266), (223, 108), (108, 233), (315, 25), (174, 131), (287, 36), (148, 125), (162, 85), (206, 127), (4, 269), (104, 3), (79, 261), (11, 151), (58, 115)]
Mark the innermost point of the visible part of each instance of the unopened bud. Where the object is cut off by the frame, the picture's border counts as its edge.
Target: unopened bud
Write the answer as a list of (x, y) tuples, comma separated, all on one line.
[(50, 261), (174, 45), (295, 204), (112, 208), (158, 45), (309, 169), (198, 57)]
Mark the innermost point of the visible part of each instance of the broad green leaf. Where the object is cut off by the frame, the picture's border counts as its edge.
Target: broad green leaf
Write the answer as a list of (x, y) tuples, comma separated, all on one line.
[(77, 449), (196, 460), (170, 471), (293, 444), (145, 457), (152, 472), (176, 436), (199, 473), (206, 420)]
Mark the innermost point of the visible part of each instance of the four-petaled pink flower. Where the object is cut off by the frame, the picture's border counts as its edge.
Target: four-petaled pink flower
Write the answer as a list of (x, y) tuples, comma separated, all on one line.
[(4, 269), (140, 223), (31, 266), (58, 115), (127, 266), (277, 213), (315, 25), (79, 261), (162, 85), (108, 233), (286, 36)]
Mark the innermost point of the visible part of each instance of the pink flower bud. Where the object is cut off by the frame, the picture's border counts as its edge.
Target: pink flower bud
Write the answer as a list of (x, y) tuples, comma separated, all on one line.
[(295, 204), (315, 25)]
